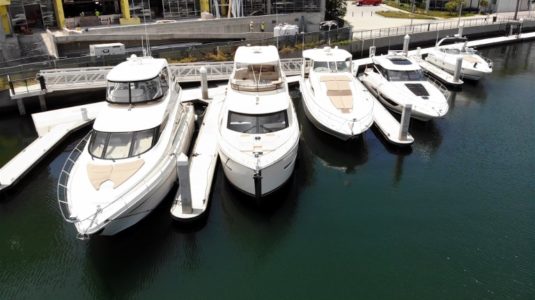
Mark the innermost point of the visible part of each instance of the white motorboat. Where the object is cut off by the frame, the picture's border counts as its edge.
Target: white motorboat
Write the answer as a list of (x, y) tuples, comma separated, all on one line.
[(258, 127), (474, 66), (127, 164), (397, 81), (334, 100)]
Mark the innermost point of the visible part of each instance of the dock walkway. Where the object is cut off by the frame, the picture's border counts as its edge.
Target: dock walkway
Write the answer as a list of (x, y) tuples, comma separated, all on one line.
[(201, 167), (52, 127)]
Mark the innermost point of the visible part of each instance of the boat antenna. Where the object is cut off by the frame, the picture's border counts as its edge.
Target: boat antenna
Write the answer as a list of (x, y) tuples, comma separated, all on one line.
[(147, 40)]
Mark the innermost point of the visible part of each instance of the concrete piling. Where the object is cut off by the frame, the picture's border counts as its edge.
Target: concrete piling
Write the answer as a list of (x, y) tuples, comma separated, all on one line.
[(405, 122), (182, 163), (458, 67), (460, 33), (372, 51), (22, 109), (406, 41), (42, 102), (204, 83)]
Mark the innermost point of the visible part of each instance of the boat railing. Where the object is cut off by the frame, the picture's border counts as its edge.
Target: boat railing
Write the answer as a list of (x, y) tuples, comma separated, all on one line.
[(62, 189), (143, 187), (441, 87)]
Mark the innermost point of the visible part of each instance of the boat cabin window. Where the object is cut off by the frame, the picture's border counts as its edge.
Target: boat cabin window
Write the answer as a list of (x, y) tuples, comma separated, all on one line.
[(412, 75), (119, 145), (253, 78), (257, 124), (138, 91), (332, 66), (451, 51)]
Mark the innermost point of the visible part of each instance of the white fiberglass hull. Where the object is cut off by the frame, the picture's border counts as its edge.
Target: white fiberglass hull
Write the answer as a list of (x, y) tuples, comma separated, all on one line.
[(143, 198), (264, 182), (341, 132), (466, 72)]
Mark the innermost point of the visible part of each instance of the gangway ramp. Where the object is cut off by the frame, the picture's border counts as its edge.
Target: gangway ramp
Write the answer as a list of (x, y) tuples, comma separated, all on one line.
[(52, 127), (197, 174)]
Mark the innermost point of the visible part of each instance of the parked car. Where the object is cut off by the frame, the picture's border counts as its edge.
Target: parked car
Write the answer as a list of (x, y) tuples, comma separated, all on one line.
[(368, 2)]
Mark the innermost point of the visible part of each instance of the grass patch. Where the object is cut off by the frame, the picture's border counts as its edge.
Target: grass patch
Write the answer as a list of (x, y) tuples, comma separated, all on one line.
[(403, 15), (421, 11)]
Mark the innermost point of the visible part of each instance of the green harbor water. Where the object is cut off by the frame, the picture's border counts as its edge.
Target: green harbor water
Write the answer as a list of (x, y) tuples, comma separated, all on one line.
[(453, 217)]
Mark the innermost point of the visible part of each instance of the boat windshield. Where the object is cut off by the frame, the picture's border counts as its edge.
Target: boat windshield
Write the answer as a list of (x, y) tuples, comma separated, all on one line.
[(412, 75), (451, 51), (257, 124), (119, 145), (256, 78), (332, 66), (138, 91)]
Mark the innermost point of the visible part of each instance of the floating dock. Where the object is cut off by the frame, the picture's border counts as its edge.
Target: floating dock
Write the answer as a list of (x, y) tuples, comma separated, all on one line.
[(52, 127), (391, 129), (197, 174)]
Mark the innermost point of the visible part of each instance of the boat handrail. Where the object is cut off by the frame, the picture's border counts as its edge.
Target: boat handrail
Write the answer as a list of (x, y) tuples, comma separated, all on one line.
[(62, 189), (454, 38), (441, 87), (144, 183)]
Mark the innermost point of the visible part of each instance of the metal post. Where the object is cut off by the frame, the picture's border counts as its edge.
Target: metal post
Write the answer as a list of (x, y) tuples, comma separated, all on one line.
[(405, 121), (418, 52), (372, 51), (458, 66), (406, 41), (520, 27), (204, 83), (182, 164), (84, 114), (460, 33), (42, 102), (20, 104)]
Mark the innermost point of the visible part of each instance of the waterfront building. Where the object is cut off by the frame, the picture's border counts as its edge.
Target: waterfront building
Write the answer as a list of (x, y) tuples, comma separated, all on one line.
[(23, 15)]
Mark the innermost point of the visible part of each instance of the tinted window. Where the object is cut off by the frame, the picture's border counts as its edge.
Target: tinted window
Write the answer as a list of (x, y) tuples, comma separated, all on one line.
[(118, 145), (414, 75), (257, 124), (135, 92)]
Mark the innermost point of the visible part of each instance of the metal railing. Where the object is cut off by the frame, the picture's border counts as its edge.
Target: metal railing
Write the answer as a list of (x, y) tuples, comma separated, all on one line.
[(435, 26), (62, 190)]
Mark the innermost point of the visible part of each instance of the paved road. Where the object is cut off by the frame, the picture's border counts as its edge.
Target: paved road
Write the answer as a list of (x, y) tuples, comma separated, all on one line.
[(364, 18)]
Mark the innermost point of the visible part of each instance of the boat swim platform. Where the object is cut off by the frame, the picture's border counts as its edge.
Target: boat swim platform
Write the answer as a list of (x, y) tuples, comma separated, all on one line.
[(52, 128), (196, 174)]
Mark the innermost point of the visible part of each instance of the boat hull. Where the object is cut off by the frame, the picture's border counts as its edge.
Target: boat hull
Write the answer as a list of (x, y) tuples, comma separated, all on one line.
[(317, 123), (271, 177), (466, 73)]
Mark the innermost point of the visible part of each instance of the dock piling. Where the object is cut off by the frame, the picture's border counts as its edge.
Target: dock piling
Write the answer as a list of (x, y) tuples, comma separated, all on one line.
[(460, 33), (406, 41), (22, 109), (405, 121), (204, 83), (42, 102), (372, 51), (458, 66), (182, 163)]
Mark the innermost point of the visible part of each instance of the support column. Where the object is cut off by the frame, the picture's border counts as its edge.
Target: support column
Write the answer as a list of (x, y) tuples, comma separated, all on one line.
[(4, 17), (323, 8), (60, 15), (205, 6), (22, 109), (184, 183), (268, 7), (125, 11), (42, 102)]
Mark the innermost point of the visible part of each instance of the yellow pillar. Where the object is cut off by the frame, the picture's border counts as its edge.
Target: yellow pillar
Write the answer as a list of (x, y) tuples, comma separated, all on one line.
[(4, 16), (60, 15), (205, 6), (224, 7), (126, 19)]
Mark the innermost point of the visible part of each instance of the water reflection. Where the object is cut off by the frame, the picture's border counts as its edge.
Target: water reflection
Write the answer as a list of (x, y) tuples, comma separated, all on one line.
[(427, 137)]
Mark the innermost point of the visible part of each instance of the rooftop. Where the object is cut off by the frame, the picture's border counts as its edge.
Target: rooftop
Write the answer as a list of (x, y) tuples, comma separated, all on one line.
[(327, 54), (137, 69), (257, 55)]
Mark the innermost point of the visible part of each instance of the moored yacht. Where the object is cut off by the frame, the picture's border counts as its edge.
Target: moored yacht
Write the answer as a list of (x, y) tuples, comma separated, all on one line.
[(334, 100), (127, 164), (474, 66), (396, 81), (258, 127)]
